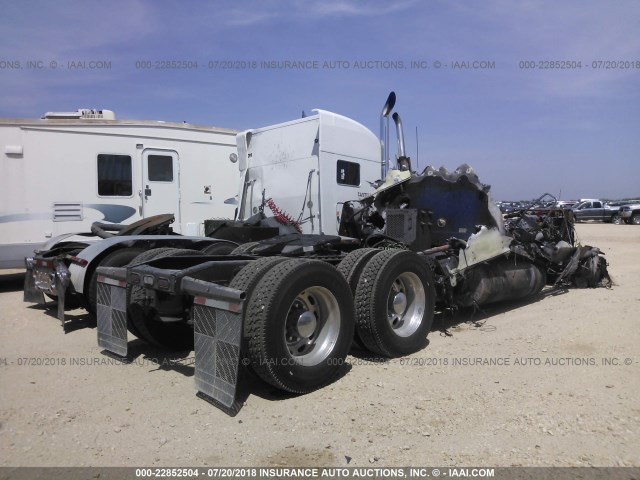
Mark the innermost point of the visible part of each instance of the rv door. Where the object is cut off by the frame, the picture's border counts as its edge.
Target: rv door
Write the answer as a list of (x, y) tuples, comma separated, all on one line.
[(160, 191)]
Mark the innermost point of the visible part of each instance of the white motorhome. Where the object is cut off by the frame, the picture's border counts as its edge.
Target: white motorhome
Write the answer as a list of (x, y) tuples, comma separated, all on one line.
[(60, 173)]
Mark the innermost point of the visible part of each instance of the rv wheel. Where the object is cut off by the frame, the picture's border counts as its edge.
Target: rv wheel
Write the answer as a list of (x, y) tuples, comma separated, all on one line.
[(395, 299), (299, 324)]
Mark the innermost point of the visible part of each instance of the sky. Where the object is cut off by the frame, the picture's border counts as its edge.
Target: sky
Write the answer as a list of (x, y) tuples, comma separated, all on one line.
[(538, 96)]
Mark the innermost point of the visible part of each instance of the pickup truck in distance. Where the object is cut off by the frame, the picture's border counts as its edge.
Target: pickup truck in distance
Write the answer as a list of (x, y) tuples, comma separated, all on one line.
[(596, 210), (630, 213)]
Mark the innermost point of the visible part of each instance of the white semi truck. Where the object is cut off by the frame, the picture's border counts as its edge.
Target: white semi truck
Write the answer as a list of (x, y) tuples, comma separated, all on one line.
[(320, 254)]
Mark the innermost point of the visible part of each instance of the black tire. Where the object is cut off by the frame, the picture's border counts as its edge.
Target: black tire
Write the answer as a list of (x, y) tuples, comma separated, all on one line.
[(351, 267), (394, 299), (145, 319), (244, 248), (635, 219), (281, 353), (246, 280), (117, 258), (616, 219), (252, 273), (219, 248)]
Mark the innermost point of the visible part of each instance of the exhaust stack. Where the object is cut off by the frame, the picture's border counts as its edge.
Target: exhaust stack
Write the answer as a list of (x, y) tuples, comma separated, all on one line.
[(404, 162), (400, 134), (384, 134)]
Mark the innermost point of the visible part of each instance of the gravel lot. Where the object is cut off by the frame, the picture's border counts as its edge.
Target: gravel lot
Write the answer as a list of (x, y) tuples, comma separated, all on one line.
[(551, 382)]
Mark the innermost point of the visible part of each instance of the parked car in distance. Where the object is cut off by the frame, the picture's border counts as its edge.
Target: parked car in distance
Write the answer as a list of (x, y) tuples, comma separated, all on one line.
[(593, 209), (568, 204), (630, 213), (508, 207)]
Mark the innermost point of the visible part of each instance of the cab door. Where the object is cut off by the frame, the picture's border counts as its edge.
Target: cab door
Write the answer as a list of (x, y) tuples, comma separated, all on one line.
[(160, 191), (588, 211)]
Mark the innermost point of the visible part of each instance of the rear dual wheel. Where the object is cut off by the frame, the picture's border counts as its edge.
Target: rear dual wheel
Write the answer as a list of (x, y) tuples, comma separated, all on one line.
[(351, 267), (245, 248), (395, 298), (143, 257), (299, 324), (144, 321), (117, 258)]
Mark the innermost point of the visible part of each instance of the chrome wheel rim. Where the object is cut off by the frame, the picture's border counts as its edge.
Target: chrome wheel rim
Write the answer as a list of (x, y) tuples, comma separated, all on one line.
[(312, 326), (406, 304)]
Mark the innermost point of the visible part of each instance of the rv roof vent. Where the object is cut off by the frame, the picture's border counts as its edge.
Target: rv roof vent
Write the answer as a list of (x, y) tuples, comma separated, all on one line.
[(82, 114)]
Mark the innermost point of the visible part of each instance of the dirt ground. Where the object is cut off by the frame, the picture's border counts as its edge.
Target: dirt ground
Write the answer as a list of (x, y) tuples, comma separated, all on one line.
[(550, 382)]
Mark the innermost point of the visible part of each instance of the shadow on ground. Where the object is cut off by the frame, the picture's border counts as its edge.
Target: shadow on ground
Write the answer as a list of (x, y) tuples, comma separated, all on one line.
[(12, 281), (448, 321)]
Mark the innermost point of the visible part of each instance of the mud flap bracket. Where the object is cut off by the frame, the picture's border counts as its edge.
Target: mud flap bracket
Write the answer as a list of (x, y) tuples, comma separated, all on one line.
[(31, 293)]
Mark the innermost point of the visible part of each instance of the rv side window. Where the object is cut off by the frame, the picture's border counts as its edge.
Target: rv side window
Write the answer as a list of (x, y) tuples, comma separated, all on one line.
[(160, 168), (348, 173), (114, 175)]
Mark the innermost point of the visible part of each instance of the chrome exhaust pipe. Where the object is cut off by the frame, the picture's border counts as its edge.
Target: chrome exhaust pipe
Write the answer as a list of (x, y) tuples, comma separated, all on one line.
[(384, 134), (404, 162), (400, 134)]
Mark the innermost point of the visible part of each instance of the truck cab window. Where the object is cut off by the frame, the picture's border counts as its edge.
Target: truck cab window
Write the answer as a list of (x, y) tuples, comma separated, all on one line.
[(114, 175), (160, 168), (348, 173)]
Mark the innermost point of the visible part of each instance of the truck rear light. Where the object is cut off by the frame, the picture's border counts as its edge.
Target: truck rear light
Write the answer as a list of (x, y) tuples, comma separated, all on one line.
[(148, 280), (43, 263), (79, 261), (134, 278)]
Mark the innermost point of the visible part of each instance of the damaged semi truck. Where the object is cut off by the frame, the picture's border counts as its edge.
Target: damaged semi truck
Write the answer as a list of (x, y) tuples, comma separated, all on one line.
[(333, 247)]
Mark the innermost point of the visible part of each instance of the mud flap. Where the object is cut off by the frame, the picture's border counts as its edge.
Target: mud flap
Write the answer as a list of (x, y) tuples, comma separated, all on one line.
[(217, 323), (111, 313), (31, 293), (63, 278)]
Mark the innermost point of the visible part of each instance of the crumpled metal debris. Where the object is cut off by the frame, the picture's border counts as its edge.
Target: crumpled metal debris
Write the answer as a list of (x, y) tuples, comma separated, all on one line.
[(547, 236)]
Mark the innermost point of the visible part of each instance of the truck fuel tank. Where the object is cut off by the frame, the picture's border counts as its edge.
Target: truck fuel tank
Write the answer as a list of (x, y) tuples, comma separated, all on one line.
[(503, 278)]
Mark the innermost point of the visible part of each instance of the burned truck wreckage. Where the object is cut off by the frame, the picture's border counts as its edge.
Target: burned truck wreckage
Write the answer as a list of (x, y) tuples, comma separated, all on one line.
[(312, 263), (475, 255)]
